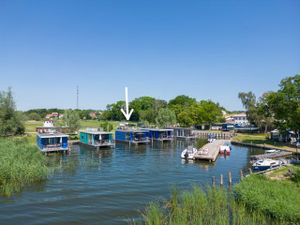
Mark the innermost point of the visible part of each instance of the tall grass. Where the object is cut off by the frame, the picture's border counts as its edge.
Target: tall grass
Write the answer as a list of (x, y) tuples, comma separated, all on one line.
[(21, 163), (206, 207), (277, 199)]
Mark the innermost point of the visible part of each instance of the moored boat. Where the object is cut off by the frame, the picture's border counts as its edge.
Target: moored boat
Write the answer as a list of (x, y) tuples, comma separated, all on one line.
[(265, 164), (188, 153), (225, 149)]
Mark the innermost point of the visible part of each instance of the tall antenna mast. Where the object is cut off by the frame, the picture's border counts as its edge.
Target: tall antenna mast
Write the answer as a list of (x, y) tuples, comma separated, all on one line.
[(77, 99)]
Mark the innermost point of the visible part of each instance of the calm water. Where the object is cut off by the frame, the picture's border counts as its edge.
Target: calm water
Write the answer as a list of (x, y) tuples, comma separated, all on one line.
[(112, 186)]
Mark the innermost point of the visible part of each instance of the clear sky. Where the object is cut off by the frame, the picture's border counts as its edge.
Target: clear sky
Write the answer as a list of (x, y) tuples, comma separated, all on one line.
[(204, 49)]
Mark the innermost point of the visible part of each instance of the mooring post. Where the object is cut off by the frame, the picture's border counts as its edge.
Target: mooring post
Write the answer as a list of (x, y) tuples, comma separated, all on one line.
[(213, 181), (229, 178), (221, 180), (250, 171), (241, 174)]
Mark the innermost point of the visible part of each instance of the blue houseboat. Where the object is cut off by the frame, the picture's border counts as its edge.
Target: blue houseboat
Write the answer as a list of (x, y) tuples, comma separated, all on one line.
[(132, 136), (96, 138), (52, 142), (161, 134), (184, 133)]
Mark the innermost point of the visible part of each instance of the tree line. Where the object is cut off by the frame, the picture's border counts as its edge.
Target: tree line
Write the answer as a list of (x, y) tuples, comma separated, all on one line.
[(275, 109), (182, 110)]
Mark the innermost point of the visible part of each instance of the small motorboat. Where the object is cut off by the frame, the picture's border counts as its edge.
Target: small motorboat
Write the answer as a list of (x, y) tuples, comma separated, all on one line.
[(272, 151), (225, 149), (188, 153), (265, 164)]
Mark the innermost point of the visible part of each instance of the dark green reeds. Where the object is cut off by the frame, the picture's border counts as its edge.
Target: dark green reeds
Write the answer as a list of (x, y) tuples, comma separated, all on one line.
[(21, 163), (207, 207)]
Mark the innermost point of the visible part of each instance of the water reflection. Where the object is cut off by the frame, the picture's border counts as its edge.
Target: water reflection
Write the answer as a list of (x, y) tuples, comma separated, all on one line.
[(108, 186)]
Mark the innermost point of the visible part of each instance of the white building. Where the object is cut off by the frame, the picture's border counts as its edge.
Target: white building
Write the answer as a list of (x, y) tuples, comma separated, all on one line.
[(240, 119)]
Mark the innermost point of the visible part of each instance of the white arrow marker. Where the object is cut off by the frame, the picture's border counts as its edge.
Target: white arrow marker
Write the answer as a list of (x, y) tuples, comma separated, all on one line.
[(127, 114)]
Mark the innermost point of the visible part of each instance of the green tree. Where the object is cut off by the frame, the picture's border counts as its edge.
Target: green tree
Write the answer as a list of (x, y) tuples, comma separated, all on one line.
[(10, 120), (72, 120), (165, 118), (34, 116), (181, 102), (285, 104)]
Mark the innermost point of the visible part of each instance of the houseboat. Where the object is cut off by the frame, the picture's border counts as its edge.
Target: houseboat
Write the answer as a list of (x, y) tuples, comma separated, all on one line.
[(132, 136), (49, 139), (184, 133), (96, 138), (161, 134)]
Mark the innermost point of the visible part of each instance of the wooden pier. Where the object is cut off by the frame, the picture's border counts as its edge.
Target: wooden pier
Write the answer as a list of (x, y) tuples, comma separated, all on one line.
[(209, 151), (274, 155)]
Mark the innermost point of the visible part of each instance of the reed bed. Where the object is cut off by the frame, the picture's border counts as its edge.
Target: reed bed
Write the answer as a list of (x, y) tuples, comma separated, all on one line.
[(21, 163), (207, 207)]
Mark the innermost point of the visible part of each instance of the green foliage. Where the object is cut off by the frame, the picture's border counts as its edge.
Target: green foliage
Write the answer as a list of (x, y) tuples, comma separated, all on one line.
[(72, 120), (165, 118), (200, 142), (113, 112), (180, 103), (277, 199), (199, 207), (285, 104), (107, 126), (296, 176), (200, 112), (34, 116), (10, 119), (21, 163)]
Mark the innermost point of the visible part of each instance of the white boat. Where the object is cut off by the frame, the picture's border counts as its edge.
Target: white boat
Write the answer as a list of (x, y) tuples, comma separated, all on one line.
[(224, 149), (272, 151), (265, 164), (188, 153)]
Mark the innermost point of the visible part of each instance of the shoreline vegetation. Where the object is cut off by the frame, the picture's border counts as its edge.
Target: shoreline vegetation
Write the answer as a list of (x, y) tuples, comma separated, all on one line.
[(257, 199), (21, 164), (261, 141)]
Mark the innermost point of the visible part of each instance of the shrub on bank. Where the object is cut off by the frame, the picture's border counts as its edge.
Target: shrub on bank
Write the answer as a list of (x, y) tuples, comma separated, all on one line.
[(21, 163)]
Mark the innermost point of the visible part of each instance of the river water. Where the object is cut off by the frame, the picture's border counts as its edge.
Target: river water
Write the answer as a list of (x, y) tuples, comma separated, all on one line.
[(113, 186)]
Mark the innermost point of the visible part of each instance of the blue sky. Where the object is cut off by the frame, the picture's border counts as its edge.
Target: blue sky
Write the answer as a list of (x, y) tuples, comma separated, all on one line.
[(204, 49)]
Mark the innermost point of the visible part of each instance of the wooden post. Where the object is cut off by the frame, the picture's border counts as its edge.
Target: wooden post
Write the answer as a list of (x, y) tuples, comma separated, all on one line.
[(229, 178), (221, 180), (250, 171), (241, 174), (213, 181)]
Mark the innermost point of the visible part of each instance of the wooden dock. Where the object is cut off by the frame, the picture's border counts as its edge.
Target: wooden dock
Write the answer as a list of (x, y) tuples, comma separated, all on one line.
[(209, 151), (274, 155)]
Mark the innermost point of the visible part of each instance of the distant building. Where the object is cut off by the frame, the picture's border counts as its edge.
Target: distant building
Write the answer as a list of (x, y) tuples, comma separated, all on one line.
[(54, 115), (238, 119), (93, 115)]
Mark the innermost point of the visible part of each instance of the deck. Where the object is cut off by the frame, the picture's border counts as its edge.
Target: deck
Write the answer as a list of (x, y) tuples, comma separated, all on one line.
[(213, 151), (275, 155)]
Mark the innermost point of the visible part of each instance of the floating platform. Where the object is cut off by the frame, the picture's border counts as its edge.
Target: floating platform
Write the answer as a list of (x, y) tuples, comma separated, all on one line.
[(52, 142), (209, 151), (160, 134), (184, 133), (132, 136), (96, 139), (274, 155)]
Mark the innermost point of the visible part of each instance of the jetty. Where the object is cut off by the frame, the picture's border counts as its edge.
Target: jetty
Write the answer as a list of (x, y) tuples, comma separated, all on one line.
[(209, 151), (274, 155)]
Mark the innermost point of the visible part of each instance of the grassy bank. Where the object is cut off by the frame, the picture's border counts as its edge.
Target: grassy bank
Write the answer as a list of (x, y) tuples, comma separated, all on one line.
[(21, 163), (262, 140), (256, 200)]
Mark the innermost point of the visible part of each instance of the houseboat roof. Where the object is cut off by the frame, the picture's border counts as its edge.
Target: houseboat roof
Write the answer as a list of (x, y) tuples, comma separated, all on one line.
[(157, 129), (133, 130), (182, 128), (52, 135), (94, 132)]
